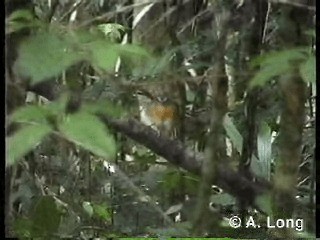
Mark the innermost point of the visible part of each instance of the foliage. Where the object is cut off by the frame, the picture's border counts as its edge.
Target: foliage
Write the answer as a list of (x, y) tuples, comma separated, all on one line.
[(76, 177), (280, 62)]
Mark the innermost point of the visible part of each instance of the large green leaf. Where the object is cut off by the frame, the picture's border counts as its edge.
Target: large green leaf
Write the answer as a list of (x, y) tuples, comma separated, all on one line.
[(280, 57), (45, 55), (24, 140), (45, 217), (268, 72), (89, 132), (308, 69), (275, 64), (233, 133), (30, 113), (103, 55), (20, 19)]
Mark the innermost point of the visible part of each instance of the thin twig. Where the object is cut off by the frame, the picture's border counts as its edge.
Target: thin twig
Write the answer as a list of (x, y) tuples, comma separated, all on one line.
[(295, 4), (110, 14)]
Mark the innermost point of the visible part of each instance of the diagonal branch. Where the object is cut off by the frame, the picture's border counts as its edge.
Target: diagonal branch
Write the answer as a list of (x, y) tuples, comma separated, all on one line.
[(178, 154)]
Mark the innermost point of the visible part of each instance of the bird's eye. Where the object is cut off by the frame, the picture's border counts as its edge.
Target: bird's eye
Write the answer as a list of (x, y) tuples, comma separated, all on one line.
[(162, 99)]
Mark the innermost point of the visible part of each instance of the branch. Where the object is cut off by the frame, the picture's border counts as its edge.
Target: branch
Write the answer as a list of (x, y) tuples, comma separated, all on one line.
[(295, 4), (178, 154)]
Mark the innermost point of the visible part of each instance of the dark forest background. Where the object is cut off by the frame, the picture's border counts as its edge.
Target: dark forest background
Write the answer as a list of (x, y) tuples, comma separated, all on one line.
[(81, 163)]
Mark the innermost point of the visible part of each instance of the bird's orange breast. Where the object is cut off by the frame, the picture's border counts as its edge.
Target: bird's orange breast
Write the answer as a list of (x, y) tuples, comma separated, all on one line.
[(161, 113)]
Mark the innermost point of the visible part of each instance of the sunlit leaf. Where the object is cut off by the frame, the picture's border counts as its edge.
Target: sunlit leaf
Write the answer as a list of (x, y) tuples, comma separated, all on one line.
[(89, 132), (45, 55), (24, 140), (112, 30), (308, 70), (233, 133)]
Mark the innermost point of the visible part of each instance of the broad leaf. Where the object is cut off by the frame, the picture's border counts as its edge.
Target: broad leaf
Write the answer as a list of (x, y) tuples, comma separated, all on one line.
[(22, 14), (276, 63), (103, 55), (233, 133), (269, 72), (280, 57), (45, 55), (46, 217), (30, 113), (102, 211), (89, 132), (24, 140)]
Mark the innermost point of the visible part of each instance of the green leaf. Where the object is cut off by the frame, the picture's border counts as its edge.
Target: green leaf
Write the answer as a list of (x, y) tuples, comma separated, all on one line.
[(264, 149), (45, 55), (22, 14), (88, 208), (233, 133), (310, 32), (223, 199), (280, 57), (276, 63), (103, 55), (132, 51), (112, 30), (58, 107), (21, 227), (24, 140), (45, 217), (308, 70), (267, 73), (104, 107), (102, 211), (30, 113), (89, 132)]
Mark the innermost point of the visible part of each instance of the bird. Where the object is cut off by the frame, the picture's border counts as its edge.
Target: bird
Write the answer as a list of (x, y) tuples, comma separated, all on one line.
[(160, 112)]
